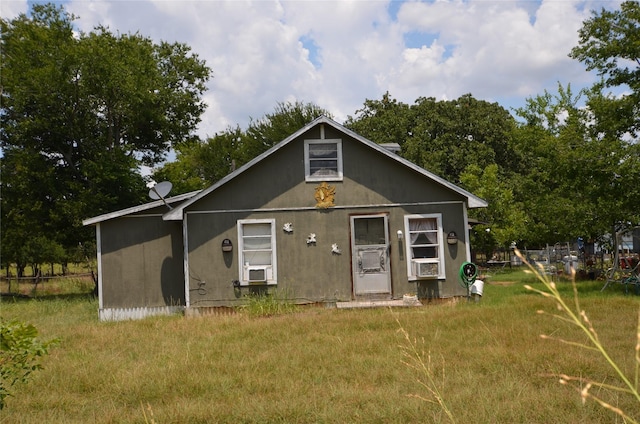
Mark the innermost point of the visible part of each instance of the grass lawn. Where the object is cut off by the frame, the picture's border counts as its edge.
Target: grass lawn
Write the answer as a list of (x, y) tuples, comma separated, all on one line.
[(318, 365)]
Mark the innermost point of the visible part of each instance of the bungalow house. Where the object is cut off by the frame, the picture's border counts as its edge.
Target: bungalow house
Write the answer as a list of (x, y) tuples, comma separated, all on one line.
[(325, 216)]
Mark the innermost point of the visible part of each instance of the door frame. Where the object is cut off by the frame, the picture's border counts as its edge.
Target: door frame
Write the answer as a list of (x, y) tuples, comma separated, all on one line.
[(353, 247)]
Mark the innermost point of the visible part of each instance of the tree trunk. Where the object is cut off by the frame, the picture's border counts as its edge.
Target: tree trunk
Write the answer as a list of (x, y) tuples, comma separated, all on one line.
[(36, 281)]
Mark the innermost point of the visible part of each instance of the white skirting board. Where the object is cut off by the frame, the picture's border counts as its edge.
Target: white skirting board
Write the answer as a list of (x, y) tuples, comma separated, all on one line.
[(123, 314)]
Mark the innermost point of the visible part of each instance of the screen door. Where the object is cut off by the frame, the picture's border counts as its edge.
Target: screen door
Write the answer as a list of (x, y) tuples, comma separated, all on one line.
[(370, 254)]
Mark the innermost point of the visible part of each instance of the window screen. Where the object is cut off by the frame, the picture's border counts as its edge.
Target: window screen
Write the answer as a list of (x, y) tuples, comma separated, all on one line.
[(323, 159)]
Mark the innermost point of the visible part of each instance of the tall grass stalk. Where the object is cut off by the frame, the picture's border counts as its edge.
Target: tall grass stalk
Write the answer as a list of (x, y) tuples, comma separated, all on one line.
[(577, 316), (150, 419), (414, 358)]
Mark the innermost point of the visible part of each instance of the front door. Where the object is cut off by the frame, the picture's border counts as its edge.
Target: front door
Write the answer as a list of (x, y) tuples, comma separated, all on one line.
[(370, 254)]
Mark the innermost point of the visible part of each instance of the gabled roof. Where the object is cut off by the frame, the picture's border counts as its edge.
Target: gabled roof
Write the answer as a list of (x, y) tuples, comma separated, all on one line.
[(472, 200), (139, 208)]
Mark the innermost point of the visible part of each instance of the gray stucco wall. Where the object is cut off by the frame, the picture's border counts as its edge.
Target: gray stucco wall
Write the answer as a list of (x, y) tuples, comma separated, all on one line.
[(142, 262)]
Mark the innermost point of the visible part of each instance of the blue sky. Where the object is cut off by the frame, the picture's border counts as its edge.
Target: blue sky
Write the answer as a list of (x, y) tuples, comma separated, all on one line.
[(337, 54)]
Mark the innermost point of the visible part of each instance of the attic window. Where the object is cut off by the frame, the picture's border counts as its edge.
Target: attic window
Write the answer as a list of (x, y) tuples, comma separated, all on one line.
[(323, 160)]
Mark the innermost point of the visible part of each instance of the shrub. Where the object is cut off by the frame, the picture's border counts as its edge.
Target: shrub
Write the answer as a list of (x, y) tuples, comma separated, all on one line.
[(20, 351)]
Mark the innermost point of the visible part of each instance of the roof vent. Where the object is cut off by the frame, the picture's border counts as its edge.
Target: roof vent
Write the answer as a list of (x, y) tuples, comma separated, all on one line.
[(392, 147)]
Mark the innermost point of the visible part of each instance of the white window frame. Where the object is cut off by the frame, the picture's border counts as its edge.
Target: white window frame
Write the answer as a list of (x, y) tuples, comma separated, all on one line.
[(271, 271), (411, 271), (307, 161)]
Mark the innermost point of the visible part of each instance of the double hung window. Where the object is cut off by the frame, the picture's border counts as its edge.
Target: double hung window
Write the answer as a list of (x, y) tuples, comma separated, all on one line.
[(424, 243), (257, 245), (323, 160)]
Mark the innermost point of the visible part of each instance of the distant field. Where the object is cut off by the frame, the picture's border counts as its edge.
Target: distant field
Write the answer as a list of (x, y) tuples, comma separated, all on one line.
[(78, 279), (321, 365)]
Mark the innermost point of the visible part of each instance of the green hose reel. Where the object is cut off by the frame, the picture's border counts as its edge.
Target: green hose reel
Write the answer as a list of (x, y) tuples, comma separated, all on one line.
[(467, 275)]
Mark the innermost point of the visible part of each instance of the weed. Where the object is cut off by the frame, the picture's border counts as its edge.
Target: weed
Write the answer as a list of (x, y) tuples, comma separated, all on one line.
[(420, 362), (269, 304)]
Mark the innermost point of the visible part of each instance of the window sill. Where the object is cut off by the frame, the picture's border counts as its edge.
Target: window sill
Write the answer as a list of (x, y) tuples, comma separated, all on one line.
[(319, 180), (414, 279), (258, 283)]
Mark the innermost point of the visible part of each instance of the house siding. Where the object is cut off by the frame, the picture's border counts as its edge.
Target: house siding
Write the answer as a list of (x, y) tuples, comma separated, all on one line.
[(370, 179), (276, 189), (158, 261), (141, 262), (311, 272)]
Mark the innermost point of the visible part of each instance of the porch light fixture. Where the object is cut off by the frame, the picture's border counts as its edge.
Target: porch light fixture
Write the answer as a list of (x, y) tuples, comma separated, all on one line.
[(452, 237), (400, 235), (227, 245)]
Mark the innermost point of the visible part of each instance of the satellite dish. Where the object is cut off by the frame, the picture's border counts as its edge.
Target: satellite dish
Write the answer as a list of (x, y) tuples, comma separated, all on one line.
[(160, 190)]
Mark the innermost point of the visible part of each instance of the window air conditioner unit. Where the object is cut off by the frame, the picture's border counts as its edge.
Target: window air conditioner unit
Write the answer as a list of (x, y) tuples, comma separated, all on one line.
[(257, 274), (427, 269)]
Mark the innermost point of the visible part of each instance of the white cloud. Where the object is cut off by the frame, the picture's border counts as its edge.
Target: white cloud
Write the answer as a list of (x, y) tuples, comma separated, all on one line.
[(500, 51), (494, 50), (12, 8)]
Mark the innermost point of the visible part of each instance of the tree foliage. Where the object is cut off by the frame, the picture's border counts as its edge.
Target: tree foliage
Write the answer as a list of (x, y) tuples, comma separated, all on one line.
[(504, 220), (199, 164), (443, 137), (579, 181), (610, 44), (81, 113), (383, 121), (20, 353)]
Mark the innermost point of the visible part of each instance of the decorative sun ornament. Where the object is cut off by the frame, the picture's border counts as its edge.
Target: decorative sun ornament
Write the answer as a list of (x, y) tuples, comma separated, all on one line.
[(325, 196)]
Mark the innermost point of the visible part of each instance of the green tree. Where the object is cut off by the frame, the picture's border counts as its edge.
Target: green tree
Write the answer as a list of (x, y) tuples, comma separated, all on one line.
[(504, 220), (26, 215), (199, 164), (545, 185), (286, 119), (383, 121), (577, 179), (443, 137), (80, 115), (610, 44), (611, 165), (462, 132)]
